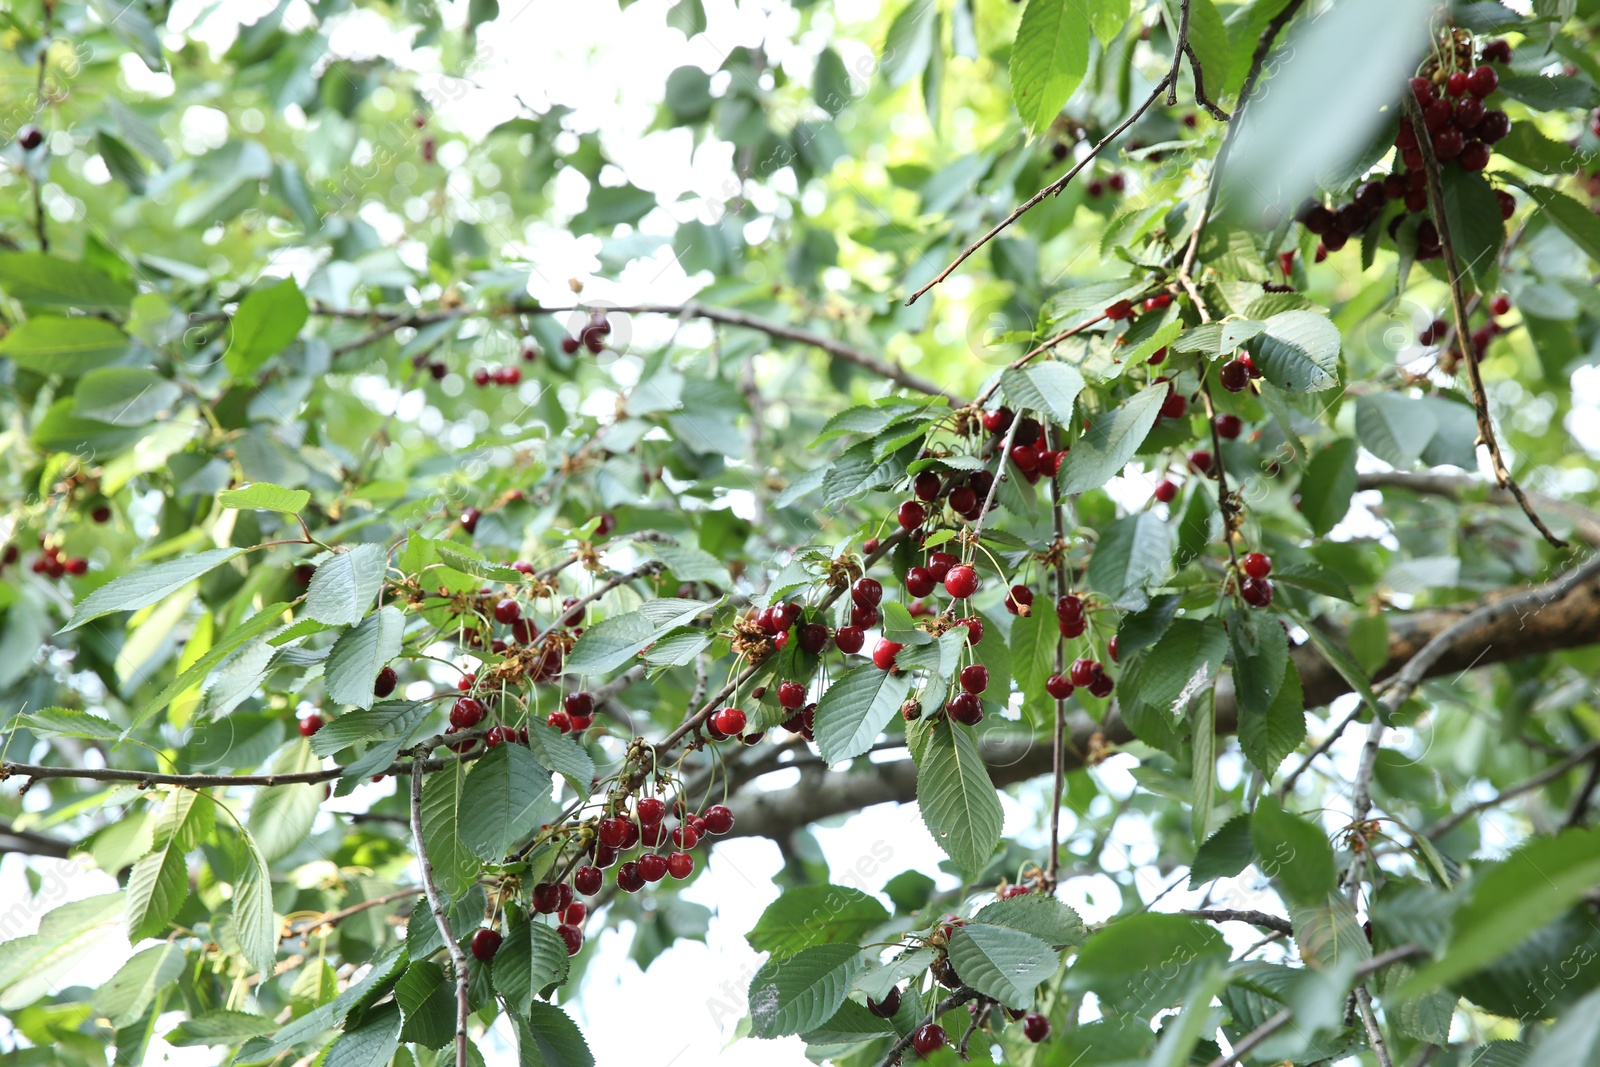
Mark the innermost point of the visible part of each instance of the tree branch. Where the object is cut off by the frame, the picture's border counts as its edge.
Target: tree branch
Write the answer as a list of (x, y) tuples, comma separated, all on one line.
[(1262, 919), (1549, 774), (1054, 188), (1585, 523), (1458, 305), (1557, 615), (458, 958), (26, 842)]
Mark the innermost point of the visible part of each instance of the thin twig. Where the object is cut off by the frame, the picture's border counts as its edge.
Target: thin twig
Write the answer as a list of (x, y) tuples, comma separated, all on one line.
[(334, 918), (576, 610), (1045, 346), (1549, 774), (1327, 743), (1201, 97), (458, 958), (1265, 920), (1052, 189), (1580, 803), (1369, 1022), (1179, 44), (1059, 736), (1458, 305)]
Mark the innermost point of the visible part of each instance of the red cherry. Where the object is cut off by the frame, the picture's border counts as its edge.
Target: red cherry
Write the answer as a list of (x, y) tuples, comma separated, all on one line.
[(1083, 671), (849, 639), (926, 486), (1495, 127), (1018, 598), (791, 695), (384, 684), (466, 682), (1257, 565), (975, 678), (1234, 375), (613, 831), (884, 652), (888, 1006), (686, 836), (1200, 460), (961, 582), (651, 810), (652, 867), (729, 720), (546, 898), (1500, 304), (1456, 84), (499, 735), (466, 713), (469, 519), (919, 582), (575, 913), (1423, 88), (1111, 649), (485, 943), (998, 420), (965, 707), (1035, 1027), (1228, 427), (608, 523), (1497, 51), (1257, 592), (507, 611), (813, 638), (1157, 302), (1482, 81), (1166, 491), (718, 819), (1069, 607), (939, 564), (1474, 157), (1101, 686), (1174, 406), (579, 704), (974, 627), (572, 936), (1025, 458), (559, 721), (928, 1039), (1470, 112), (587, 880), (481, 376), (863, 616), (77, 566), (1122, 309), (1507, 202), (680, 865), (629, 880), (1058, 686), (911, 515), (310, 725)]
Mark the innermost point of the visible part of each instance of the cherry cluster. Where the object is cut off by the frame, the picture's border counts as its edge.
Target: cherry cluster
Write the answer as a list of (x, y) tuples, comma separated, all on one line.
[(503, 375), (1481, 337), (592, 336), (1460, 129), (50, 562)]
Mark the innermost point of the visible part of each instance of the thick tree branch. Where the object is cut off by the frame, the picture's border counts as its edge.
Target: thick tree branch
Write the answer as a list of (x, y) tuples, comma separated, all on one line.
[(29, 843), (1458, 305), (1547, 618), (458, 958)]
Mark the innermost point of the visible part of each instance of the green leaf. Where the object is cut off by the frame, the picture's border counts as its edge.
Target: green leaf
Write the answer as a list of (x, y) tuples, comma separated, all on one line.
[(1048, 60), (1293, 853), (1476, 229), (811, 915), (1209, 38), (1108, 18), (1394, 428), (422, 932), (147, 585), (1179, 667), (1574, 1040), (40, 280), (618, 639), (68, 722), (1329, 483), (1047, 388), (1133, 553), (48, 344), (281, 815), (454, 864), (1223, 854), (792, 994), (1005, 964), (1544, 93), (264, 496), (427, 1002), (562, 754), (1571, 217), (123, 396), (372, 1043), (128, 995), (1298, 351), (63, 430), (1267, 738), (910, 43), (467, 561), (1260, 656), (687, 16), (957, 800), (34, 965), (268, 320), (1146, 961), (360, 653), (345, 584), (830, 84), (197, 671), (1111, 441), (1046, 918), (855, 709), (506, 794), (547, 1037), (219, 1028), (159, 883), (1034, 638), (253, 921), (1532, 886), (531, 957), (909, 890)]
